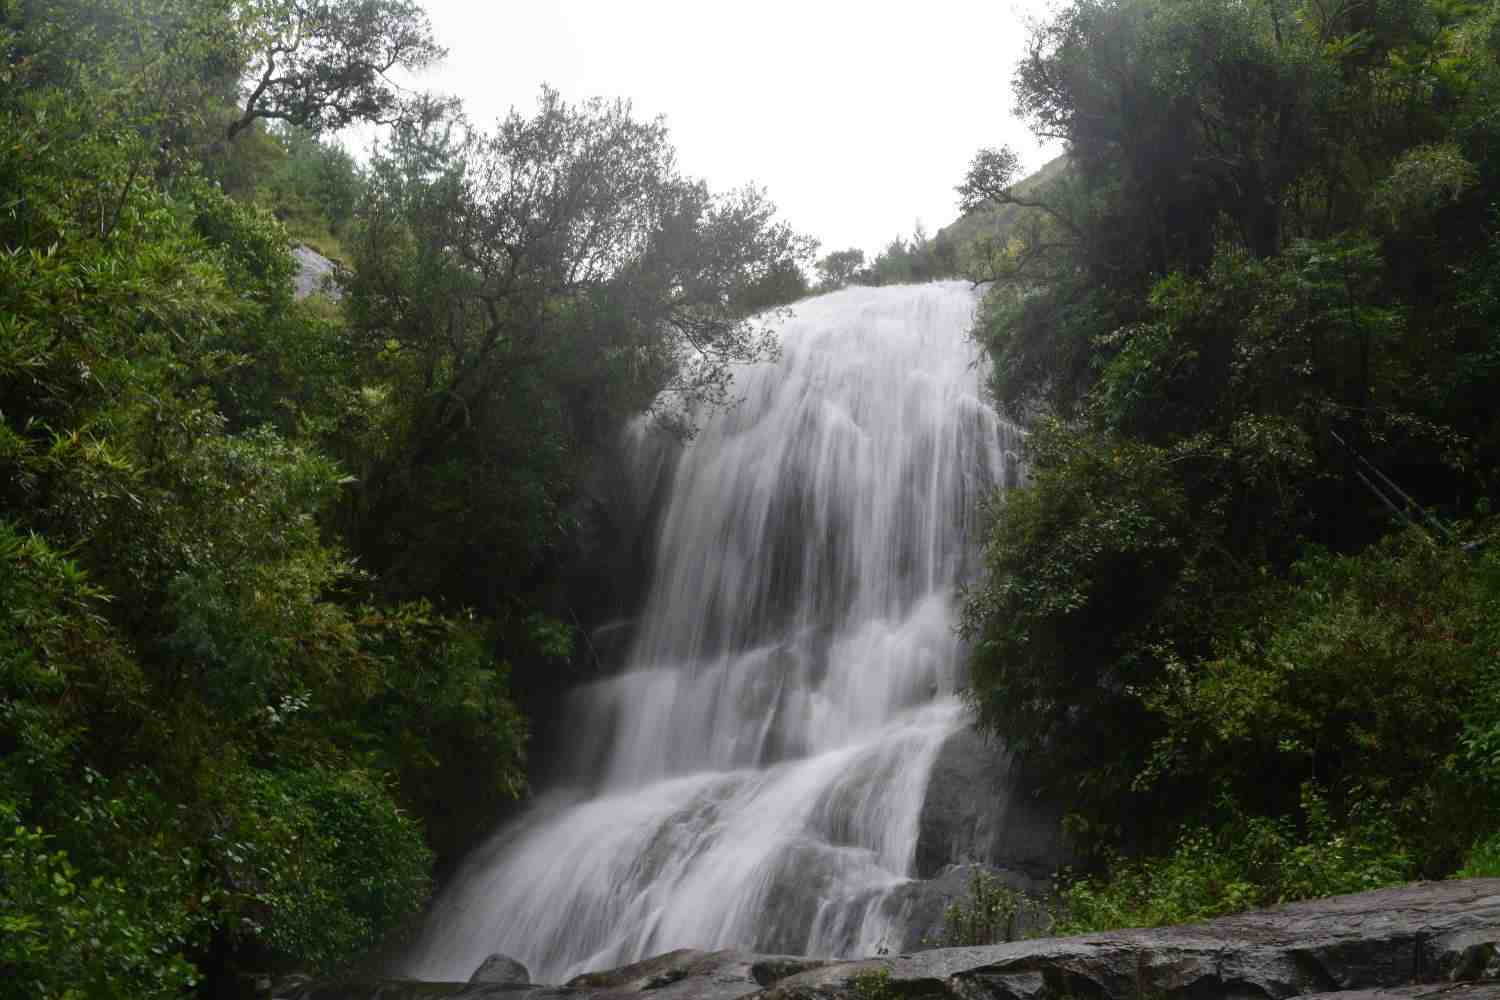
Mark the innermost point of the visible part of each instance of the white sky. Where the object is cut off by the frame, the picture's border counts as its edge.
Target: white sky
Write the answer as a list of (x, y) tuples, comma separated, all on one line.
[(858, 118)]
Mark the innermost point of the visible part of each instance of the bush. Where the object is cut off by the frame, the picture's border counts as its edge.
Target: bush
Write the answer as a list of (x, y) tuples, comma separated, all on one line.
[(1368, 673), (1483, 860), (1084, 569), (992, 912), (66, 935), (316, 865), (1243, 863)]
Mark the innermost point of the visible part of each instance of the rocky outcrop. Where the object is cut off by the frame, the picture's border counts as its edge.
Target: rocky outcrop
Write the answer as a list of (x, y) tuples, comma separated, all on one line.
[(1421, 933), (977, 811), (1427, 991), (501, 969), (686, 974), (315, 274), (1423, 940)]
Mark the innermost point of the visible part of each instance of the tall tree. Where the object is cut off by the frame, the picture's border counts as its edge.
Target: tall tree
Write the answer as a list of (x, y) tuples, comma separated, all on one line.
[(517, 292), (325, 64), (839, 268)]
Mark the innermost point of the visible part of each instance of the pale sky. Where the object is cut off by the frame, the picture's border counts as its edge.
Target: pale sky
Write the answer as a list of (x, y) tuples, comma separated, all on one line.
[(858, 118)]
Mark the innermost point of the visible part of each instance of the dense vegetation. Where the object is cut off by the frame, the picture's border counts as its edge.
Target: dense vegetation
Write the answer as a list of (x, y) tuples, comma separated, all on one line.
[(1244, 614), (270, 569), (276, 574), (967, 248)]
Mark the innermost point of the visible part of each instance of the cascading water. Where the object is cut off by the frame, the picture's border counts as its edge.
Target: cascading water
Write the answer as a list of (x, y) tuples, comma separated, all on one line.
[(761, 762)]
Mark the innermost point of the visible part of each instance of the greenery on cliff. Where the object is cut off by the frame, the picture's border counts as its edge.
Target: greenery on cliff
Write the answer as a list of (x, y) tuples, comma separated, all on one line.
[(1246, 613), (271, 570)]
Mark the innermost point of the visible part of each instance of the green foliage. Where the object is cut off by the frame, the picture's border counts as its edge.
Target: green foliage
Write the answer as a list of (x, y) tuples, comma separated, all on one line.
[(1085, 569), (442, 721), (922, 258), (1243, 863), (69, 688), (1359, 674), (1263, 281), (989, 914), (316, 866), (513, 295), (1483, 860), (65, 935), (1421, 182), (217, 748), (873, 984), (323, 64), (781, 284), (311, 186), (268, 567), (1041, 342), (839, 268)]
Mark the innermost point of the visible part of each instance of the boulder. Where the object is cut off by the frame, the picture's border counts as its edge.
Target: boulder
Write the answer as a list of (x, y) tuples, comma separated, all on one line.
[(978, 810), (500, 968), (315, 274), (688, 974)]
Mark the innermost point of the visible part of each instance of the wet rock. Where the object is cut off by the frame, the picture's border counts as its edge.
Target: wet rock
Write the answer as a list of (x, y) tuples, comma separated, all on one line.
[(500, 968), (1420, 933), (1426, 991), (768, 970), (649, 973), (1409, 942), (695, 975), (290, 982), (978, 811), (686, 974)]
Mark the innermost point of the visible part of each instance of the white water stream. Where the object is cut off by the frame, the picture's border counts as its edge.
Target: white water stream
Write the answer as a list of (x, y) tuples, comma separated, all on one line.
[(762, 760)]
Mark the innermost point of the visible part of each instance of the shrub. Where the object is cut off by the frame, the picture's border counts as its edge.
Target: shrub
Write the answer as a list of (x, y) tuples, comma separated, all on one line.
[(1368, 673), (316, 865), (1483, 860), (1246, 862), (66, 935), (992, 912)]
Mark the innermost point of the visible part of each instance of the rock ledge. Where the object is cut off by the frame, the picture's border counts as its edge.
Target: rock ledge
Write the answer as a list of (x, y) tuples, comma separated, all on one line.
[(1427, 939)]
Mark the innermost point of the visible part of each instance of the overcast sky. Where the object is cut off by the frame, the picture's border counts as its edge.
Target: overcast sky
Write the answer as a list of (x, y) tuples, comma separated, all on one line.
[(858, 118)]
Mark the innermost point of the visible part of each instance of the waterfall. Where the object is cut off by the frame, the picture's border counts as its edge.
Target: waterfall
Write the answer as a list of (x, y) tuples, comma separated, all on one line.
[(758, 768)]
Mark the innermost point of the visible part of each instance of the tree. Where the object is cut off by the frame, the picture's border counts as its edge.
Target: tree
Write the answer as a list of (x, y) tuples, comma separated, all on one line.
[(514, 294), (839, 268), (1247, 316), (325, 64)]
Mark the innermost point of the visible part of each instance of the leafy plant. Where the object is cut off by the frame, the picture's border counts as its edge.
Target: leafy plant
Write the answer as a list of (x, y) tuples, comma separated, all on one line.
[(873, 984), (991, 912), (1242, 863)]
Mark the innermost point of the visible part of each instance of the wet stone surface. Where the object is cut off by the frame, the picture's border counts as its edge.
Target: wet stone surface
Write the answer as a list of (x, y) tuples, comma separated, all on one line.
[(1428, 939)]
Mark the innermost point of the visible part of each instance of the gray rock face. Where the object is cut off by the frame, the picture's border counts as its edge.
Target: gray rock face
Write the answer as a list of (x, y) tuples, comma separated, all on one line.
[(1428, 991), (1421, 933), (499, 969), (1421, 940), (314, 274), (686, 974), (976, 812)]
